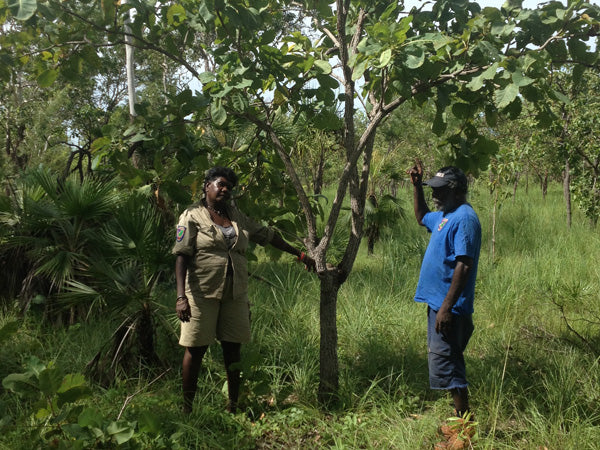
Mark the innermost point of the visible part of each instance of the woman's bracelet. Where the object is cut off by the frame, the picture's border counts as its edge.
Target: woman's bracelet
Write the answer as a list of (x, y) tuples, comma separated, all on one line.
[(302, 256), (179, 297)]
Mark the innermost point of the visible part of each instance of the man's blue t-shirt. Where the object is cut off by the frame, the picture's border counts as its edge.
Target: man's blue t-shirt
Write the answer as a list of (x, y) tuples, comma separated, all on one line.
[(456, 233)]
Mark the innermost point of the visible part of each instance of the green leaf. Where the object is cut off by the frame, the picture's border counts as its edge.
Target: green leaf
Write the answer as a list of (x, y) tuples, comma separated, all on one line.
[(35, 366), (326, 83), (504, 97), (205, 12), (108, 10), (491, 115), (120, 431), (327, 120), (73, 395), (308, 62), (531, 93), (245, 83), (8, 330), (323, 8), (90, 417), (42, 414), (488, 52), (280, 97), (72, 68), (206, 77), (22, 9), (501, 29), (520, 79), (47, 77), (20, 383), (268, 36), (462, 110), (140, 137), (72, 388), (439, 123), (578, 72), (476, 83), (560, 96), (239, 102), (578, 49), (176, 15), (49, 381), (485, 146), (558, 50), (149, 422), (177, 192), (488, 74), (218, 113), (391, 9), (514, 108), (545, 118), (415, 57), (100, 144), (384, 58), (323, 66), (359, 69), (441, 40)]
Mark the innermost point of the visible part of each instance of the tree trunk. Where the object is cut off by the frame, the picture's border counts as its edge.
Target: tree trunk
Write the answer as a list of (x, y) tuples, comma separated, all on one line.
[(129, 65), (372, 229), (494, 209), (594, 198), (371, 239), (328, 358), (318, 184), (544, 185), (567, 191), (145, 336)]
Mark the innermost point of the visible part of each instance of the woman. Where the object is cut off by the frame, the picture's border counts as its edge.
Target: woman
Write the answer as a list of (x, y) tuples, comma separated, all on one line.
[(212, 279)]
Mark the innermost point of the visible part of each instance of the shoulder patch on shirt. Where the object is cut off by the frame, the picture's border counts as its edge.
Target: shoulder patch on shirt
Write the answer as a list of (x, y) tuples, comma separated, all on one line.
[(442, 223), (180, 232)]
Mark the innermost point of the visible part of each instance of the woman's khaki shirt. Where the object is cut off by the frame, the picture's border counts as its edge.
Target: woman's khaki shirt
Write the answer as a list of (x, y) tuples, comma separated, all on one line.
[(199, 238)]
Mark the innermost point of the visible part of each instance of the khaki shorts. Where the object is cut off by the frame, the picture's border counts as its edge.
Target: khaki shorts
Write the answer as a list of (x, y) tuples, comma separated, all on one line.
[(225, 320)]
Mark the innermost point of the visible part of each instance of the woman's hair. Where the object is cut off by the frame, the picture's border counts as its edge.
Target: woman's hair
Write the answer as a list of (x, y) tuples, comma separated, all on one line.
[(217, 172)]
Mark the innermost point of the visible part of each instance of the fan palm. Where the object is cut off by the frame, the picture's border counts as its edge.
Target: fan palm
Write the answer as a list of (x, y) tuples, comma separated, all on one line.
[(52, 224), (123, 280), (380, 215)]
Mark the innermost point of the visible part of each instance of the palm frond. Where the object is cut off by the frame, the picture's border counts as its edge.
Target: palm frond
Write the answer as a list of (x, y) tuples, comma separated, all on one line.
[(89, 200)]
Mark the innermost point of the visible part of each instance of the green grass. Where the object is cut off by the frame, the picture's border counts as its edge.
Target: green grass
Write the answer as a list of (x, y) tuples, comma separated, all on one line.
[(534, 383)]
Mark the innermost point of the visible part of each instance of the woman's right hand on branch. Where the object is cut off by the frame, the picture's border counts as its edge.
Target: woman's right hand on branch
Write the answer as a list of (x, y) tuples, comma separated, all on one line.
[(309, 263)]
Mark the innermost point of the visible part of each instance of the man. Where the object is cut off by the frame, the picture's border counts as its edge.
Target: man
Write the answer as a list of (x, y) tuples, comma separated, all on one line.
[(447, 279)]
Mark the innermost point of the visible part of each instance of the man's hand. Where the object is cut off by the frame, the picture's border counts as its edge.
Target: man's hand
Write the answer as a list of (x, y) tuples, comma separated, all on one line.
[(183, 310), (416, 173), (443, 321)]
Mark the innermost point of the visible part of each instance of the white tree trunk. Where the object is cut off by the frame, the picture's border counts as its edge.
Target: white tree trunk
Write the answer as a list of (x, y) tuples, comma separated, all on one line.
[(129, 63)]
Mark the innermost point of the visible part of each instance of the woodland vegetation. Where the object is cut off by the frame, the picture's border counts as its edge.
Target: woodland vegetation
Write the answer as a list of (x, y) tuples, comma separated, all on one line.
[(112, 111)]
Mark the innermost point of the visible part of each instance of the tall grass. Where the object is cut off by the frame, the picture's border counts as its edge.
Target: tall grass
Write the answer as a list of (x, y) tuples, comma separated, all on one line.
[(534, 383)]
